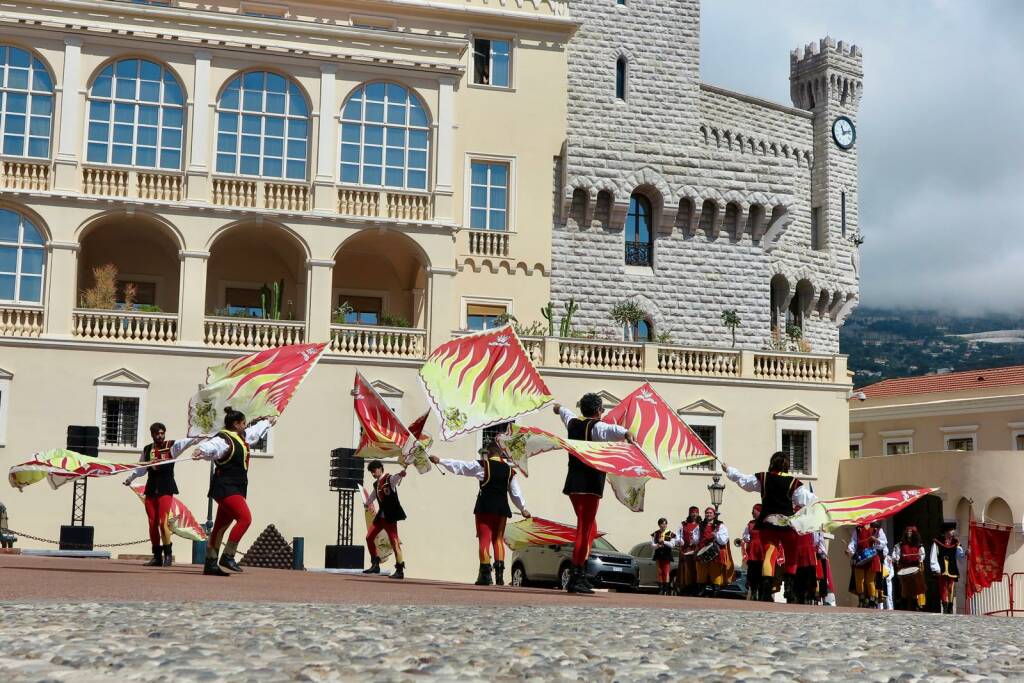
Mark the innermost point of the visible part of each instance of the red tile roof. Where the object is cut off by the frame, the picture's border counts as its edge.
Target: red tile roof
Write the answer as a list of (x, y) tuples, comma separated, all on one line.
[(952, 381)]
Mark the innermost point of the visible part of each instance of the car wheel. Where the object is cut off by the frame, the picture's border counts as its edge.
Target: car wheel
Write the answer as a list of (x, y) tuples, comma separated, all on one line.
[(518, 575), (564, 574)]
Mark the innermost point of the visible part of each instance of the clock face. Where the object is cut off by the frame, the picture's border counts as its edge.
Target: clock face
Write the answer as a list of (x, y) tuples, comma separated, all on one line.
[(843, 132)]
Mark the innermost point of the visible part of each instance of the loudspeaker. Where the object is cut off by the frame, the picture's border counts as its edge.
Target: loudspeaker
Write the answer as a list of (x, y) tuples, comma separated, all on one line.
[(346, 469), (343, 556), (76, 537), (84, 440)]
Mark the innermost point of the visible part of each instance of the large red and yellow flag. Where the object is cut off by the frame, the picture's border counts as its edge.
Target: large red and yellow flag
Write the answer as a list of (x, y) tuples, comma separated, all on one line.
[(480, 380), (827, 515), (59, 466), (180, 519), (539, 531), (614, 457), (258, 385), (383, 434)]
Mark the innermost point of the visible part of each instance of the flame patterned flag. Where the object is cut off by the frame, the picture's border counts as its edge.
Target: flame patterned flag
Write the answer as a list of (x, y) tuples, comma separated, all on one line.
[(540, 531), (258, 385), (480, 380), (613, 457), (383, 434), (59, 466), (827, 515), (382, 542), (180, 519), (660, 432)]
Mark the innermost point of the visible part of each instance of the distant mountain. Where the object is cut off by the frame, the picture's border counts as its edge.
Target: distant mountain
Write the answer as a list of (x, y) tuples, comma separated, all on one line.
[(898, 343)]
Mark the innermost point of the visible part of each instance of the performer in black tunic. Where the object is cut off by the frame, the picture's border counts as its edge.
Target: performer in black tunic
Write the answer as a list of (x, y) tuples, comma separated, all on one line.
[(389, 514), (585, 485), (498, 483), (943, 560), (160, 488)]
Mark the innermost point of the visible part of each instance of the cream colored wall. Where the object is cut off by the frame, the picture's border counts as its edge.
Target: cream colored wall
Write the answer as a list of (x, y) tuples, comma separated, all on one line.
[(290, 488)]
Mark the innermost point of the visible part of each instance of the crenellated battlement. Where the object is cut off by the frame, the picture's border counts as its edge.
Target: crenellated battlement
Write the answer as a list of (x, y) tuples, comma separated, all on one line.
[(812, 51)]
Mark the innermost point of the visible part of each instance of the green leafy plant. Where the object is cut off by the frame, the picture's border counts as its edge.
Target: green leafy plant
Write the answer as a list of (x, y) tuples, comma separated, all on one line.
[(339, 313), (565, 329), (149, 308), (103, 294), (390, 320), (628, 314), (663, 337), (731, 319), (270, 299), (534, 329)]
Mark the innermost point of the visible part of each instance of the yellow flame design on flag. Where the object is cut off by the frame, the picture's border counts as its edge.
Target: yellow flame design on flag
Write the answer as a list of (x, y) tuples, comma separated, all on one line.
[(827, 515), (539, 531)]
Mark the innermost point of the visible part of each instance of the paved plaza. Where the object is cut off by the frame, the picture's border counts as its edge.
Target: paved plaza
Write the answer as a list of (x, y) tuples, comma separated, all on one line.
[(89, 620)]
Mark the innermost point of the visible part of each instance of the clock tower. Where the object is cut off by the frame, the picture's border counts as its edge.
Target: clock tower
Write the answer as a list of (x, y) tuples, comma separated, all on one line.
[(826, 79)]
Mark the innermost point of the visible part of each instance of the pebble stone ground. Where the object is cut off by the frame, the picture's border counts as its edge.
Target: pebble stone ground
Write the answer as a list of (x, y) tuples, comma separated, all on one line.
[(208, 641)]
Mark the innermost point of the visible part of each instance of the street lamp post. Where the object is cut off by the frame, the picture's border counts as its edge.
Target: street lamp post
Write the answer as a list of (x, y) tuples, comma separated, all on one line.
[(716, 489)]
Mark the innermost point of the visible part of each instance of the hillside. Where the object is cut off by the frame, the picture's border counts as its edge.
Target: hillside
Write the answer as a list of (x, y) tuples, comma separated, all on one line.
[(897, 343)]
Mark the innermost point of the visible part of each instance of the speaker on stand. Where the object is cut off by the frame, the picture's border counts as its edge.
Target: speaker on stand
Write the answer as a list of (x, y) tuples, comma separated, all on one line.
[(346, 476), (84, 440)]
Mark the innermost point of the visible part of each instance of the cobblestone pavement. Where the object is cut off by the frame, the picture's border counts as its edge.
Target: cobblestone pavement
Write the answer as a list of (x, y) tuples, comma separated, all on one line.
[(83, 642)]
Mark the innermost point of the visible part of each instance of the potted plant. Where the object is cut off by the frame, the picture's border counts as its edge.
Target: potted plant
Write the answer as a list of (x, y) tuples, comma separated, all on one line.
[(629, 314), (731, 319)]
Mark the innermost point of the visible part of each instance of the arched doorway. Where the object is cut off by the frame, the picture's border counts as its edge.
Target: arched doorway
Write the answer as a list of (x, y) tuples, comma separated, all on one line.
[(926, 514)]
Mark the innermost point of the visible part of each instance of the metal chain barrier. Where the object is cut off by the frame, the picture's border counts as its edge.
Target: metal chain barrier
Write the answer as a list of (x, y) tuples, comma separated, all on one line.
[(71, 546)]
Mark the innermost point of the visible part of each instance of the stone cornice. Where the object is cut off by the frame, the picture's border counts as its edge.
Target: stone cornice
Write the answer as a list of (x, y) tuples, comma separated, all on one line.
[(943, 407)]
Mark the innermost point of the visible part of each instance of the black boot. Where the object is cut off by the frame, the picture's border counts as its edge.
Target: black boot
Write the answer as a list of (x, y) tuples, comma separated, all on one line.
[(158, 560), (167, 555), (499, 573), (227, 559), (210, 568), (399, 572), (582, 585), (374, 567), (483, 578), (947, 608)]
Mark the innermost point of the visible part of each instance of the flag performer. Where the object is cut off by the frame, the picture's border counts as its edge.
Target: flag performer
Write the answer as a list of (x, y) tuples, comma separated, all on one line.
[(584, 484), (909, 555), (229, 485), (686, 576), (805, 587), (714, 567), (160, 489), (389, 514), (865, 551), (753, 554), (946, 552), (663, 540), (498, 484), (781, 493)]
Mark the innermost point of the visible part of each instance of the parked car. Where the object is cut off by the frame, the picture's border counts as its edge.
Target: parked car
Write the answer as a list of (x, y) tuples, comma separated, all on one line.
[(551, 565), (737, 590), (643, 553)]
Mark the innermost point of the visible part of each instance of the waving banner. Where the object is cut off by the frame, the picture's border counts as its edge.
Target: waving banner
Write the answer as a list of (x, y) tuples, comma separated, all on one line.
[(540, 531), (383, 434), (613, 457), (985, 561), (382, 542), (828, 515), (258, 385), (180, 519), (480, 380), (59, 466)]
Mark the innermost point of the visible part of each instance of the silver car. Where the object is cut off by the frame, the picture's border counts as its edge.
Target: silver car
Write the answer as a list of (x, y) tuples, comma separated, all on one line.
[(643, 553), (551, 565)]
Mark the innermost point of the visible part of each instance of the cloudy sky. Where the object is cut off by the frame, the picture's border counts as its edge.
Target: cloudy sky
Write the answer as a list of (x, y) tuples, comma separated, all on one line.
[(941, 133)]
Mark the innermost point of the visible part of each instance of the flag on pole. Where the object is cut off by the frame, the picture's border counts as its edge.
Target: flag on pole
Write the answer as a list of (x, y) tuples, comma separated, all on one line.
[(258, 385), (614, 457), (827, 515), (539, 531), (987, 544), (180, 519), (481, 380), (383, 434), (59, 466)]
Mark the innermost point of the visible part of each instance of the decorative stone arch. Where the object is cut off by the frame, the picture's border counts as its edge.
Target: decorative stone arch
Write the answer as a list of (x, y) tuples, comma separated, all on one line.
[(645, 177), (263, 222), (804, 299), (998, 511), (165, 226), (846, 308), (781, 292), (655, 317), (37, 220), (735, 214), (779, 220), (603, 191)]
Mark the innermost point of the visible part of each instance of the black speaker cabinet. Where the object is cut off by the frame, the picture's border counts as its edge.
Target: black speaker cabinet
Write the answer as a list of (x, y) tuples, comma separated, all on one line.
[(76, 537), (346, 469), (84, 440), (344, 556)]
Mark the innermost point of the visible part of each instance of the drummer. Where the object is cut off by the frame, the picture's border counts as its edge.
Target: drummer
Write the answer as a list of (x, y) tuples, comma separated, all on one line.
[(714, 560), (908, 555), (865, 551), (687, 574)]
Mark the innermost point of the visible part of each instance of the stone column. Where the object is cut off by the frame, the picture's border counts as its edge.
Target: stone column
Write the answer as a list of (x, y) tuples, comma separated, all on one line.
[(62, 290), (198, 173), (192, 297), (445, 150), (319, 281), (442, 313), (328, 142), (69, 140)]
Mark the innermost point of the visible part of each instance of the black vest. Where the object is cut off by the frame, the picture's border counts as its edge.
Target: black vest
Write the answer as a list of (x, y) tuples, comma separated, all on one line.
[(776, 495), (581, 477), (231, 475), (493, 496), (389, 508), (947, 560), (159, 479), (661, 552)]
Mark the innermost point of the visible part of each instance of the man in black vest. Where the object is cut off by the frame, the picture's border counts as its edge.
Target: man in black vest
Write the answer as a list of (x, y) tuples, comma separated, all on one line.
[(498, 483), (389, 514), (944, 562), (585, 485)]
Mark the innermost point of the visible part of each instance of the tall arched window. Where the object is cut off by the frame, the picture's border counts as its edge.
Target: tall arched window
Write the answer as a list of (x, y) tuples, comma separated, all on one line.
[(621, 74), (22, 258), (136, 110), (263, 127), (639, 245), (385, 137), (26, 104)]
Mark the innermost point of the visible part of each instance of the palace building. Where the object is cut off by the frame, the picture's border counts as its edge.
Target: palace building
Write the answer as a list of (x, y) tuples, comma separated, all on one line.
[(183, 182)]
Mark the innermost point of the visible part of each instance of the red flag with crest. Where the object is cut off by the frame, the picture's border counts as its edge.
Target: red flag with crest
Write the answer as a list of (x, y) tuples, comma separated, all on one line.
[(987, 544)]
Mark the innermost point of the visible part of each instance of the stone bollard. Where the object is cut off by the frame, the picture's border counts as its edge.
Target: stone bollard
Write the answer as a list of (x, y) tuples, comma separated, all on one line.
[(298, 550)]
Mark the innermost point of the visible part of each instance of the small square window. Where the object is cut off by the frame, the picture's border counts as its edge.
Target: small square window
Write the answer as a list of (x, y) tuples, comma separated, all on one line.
[(854, 450), (709, 435), (960, 443), (897, 447), (492, 62), (797, 442), (485, 317)]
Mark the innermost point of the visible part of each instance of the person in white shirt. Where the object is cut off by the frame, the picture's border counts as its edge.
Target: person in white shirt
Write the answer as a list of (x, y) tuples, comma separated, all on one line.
[(908, 555), (714, 567), (865, 550), (944, 560), (389, 514)]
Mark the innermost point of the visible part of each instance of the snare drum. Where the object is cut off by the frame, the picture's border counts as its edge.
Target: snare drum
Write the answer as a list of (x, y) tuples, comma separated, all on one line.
[(709, 553), (911, 581), (864, 557)]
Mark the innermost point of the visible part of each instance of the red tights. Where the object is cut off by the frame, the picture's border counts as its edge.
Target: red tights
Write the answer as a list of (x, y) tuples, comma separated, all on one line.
[(664, 570), (157, 509), (233, 508), (490, 531), (585, 506), (391, 528)]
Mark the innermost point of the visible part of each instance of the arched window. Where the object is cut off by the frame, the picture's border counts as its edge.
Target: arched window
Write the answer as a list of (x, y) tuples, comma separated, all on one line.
[(385, 137), (136, 110), (26, 104), (22, 258), (639, 245), (621, 74), (263, 127)]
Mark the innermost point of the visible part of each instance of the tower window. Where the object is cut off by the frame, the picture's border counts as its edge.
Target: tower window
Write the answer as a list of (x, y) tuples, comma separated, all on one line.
[(491, 62), (639, 242), (621, 74), (842, 209)]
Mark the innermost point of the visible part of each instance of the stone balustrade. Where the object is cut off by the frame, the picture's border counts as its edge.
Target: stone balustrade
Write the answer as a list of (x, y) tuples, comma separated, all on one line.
[(106, 182), (698, 362), (794, 367), (409, 207), (20, 321), (252, 333), (234, 192), (24, 175), (602, 356), (166, 187), (365, 203), (125, 326), (286, 197), (378, 342), (355, 202), (488, 243)]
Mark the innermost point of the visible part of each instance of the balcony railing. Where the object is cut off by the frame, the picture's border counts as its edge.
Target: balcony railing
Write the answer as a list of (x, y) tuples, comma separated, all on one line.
[(24, 175), (125, 326), (252, 333), (368, 203), (378, 342), (602, 356), (698, 362), (638, 253), (488, 243), (20, 321), (792, 367), (134, 184)]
